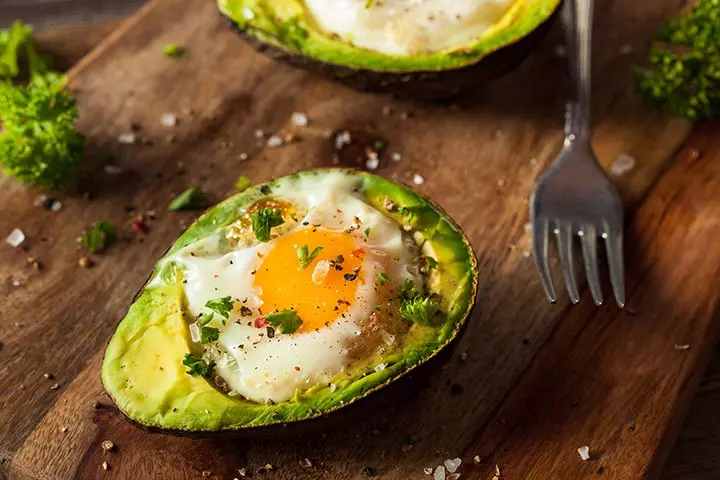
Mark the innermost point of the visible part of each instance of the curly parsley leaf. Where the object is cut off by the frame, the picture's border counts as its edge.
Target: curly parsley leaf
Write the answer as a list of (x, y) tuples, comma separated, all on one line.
[(222, 306), (304, 258), (198, 366), (38, 141), (286, 320), (98, 237), (419, 309), (190, 199), (683, 71), (263, 221)]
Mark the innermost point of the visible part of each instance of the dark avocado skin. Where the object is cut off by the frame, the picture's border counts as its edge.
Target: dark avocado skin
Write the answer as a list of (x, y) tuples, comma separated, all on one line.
[(419, 85)]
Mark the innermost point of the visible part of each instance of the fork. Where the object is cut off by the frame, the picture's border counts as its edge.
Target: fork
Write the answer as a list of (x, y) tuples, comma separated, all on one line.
[(575, 196)]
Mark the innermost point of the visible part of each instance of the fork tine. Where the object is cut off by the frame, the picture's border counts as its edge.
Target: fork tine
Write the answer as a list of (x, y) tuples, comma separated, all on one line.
[(540, 231), (614, 247), (589, 249), (564, 240)]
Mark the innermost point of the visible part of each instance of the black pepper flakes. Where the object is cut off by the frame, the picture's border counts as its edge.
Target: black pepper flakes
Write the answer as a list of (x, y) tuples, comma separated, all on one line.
[(270, 332), (245, 311)]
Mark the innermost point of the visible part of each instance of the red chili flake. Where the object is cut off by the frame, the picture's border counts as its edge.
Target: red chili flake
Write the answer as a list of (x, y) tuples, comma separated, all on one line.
[(139, 227), (358, 252), (260, 322), (297, 369)]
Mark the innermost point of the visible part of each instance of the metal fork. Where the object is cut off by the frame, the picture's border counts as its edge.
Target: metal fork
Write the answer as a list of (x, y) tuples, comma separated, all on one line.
[(575, 196)]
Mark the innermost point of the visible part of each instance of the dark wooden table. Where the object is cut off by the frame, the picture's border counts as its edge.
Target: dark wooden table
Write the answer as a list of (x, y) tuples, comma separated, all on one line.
[(71, 27)]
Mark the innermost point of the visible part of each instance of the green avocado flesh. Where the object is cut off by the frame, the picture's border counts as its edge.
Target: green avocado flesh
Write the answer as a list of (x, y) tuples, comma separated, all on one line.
[(143, 367), (286, 24)]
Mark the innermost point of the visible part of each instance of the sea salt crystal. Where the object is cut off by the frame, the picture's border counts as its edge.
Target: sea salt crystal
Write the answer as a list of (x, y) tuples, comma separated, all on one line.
[(381, 367), (452, 464), (322, 268), (168, 120), (622, 164), (274, 141), (126, 138), (584, 452), (373, 162), (388, 338), (56, 206), (299, 119), (396, 157), (418, 179), (194, 332), (16, 238), (439, 473)]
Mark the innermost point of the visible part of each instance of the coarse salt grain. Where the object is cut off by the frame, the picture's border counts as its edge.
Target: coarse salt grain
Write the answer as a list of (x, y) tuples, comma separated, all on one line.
[(381, 367), (259, 133), (16, 238), (274, 141), (299, 119), (247, 13), (388, 338), (418, 179), (527, 254), (341, 139), (194, 332), (452, 464), (126, 138), (396, 157), (243, 156), (113, 169), (684, 346), (168, 120), (439, 473), (622, 164), (333, 387), (428, 470), (372, 163), (56, 206), (322, 268), (584, 452)]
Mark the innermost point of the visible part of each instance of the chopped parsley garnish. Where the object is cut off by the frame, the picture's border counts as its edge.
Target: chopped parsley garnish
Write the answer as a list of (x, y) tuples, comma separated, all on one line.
[(205, 319), (287, 321), (198, 366), (383, 278), (367, 232), (222, 306), (242, 183), (305, 258), (100, 235), (408, 290), (209, 334), (173, 50), (190, 199), (263, 221), (419, 309)]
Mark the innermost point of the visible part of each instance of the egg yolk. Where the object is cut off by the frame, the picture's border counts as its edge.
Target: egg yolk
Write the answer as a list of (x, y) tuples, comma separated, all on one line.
[(318, 301)]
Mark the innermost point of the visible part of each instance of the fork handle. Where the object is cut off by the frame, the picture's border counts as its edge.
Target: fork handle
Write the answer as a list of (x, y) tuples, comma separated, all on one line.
[(577, 22)]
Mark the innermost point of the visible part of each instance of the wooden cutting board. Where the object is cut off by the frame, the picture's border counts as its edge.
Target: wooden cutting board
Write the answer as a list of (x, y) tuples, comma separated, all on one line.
[(530, 383)]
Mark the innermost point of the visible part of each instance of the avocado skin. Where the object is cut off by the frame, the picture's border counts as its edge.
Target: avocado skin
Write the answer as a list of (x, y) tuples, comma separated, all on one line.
[(419, 85)]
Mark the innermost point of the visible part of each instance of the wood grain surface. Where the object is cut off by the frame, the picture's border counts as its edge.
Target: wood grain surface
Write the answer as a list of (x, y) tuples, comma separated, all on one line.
[(482, 155), (47, 14)]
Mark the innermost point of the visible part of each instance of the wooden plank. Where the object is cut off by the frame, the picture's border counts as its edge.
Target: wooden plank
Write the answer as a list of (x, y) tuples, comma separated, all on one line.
[(485, 157), (49, 14), (620, 382)]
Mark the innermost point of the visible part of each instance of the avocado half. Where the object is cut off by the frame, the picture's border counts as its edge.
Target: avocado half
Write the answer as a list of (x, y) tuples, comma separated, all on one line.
[(283, 29), (142, 370)]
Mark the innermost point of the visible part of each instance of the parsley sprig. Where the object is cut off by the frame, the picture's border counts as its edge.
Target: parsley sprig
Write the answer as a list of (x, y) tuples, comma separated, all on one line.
[(38, 141), (683, 73), (287, 321), (222, 306), (304, 257), (198, 366), (208, 334), (263, 221), (415, 307)]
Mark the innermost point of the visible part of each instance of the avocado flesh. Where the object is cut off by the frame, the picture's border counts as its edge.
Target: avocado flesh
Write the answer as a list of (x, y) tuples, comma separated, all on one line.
[(283, 30), (143, 372)]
